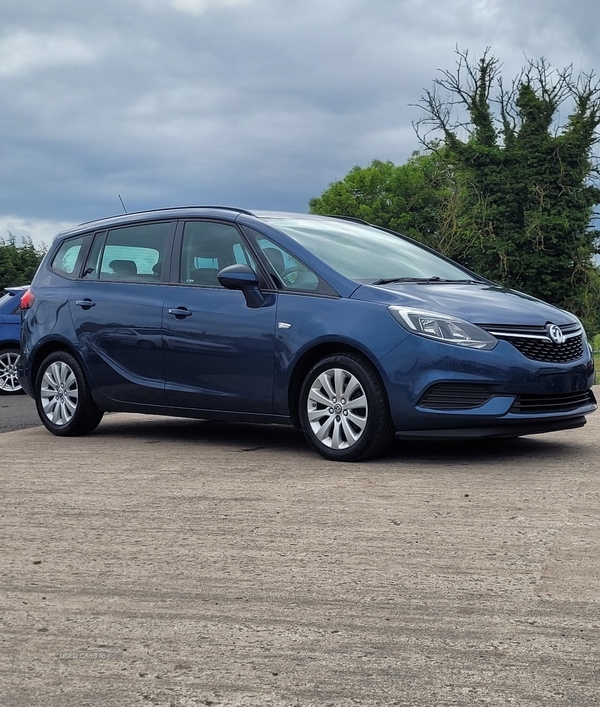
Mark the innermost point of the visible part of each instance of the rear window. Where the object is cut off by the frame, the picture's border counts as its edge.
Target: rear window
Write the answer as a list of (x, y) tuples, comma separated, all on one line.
[(66, 258), (7, 299)]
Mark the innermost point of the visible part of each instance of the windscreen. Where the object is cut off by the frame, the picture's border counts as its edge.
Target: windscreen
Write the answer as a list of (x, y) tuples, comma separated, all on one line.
[(364, 253)]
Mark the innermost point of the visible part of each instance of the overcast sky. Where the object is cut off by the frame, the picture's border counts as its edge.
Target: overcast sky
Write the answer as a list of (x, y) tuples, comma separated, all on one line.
[(252, 103)]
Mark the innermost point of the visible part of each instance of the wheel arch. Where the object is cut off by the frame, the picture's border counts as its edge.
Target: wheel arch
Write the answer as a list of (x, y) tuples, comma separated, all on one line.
[(310, 358), (10, 344), (63, 400), (47, 348)]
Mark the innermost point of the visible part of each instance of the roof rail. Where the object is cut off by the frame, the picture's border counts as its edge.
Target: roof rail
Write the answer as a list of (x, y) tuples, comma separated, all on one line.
[(348, 218), (212, 206), (162, 208), (195, 206)]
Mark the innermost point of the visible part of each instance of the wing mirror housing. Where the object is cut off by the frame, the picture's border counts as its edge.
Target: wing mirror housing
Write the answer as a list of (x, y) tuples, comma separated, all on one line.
[(242, 277)]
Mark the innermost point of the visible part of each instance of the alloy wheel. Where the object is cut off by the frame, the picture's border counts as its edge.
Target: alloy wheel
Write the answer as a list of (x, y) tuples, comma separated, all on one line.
[(59, 393), (337, 408), (9, 383)]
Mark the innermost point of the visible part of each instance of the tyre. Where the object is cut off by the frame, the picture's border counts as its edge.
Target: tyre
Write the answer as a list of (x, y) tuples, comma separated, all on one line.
[(343, 411), (62, 397), (9, 383)]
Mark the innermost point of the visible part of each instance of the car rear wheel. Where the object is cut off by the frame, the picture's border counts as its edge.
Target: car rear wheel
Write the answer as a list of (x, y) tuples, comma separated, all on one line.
[(63, 399), (9, 383), (344, 412)]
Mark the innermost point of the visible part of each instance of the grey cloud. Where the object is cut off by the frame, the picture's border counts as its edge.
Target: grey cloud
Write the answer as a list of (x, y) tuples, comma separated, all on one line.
[(259, 103)]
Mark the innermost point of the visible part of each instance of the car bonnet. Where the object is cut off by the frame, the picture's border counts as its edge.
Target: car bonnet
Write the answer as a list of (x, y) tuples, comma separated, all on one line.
[(479, 303)]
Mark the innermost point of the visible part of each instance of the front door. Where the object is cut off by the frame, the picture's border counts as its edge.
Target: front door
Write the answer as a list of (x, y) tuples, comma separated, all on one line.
[(218, 351)]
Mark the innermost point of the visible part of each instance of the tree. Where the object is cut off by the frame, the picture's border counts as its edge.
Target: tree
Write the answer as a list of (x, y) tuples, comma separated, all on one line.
[(523, 198), (18, 263), (405, 198)]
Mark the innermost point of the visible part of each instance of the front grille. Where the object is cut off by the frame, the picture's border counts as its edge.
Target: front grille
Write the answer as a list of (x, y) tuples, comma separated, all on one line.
[(534, 343), (455, 396), (561, 402), (546, 351)]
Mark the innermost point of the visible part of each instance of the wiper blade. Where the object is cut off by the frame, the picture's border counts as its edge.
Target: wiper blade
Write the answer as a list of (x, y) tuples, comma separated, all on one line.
[(422, 280), (387, 280)]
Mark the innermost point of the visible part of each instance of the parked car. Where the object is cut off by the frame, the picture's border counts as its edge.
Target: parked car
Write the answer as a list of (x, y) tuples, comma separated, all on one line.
[(10, 333), (349, 331)]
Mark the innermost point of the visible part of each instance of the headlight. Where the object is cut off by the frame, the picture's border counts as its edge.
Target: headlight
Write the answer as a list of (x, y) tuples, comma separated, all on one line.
[(443, 327)]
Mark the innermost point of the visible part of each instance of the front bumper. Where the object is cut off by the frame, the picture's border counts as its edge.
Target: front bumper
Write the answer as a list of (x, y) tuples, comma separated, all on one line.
[(438, 390)]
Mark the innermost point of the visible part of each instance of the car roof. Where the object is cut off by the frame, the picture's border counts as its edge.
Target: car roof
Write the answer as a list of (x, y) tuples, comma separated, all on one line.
[(153, 215), (228, 212)]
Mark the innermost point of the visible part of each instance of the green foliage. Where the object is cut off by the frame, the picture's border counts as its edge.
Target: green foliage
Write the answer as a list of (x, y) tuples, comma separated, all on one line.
[(504, 189), (18, 263), (404, 198), (523, 198)]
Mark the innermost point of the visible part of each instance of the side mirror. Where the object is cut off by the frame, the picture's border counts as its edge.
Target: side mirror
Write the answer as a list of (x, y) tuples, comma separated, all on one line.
[(242, 277)]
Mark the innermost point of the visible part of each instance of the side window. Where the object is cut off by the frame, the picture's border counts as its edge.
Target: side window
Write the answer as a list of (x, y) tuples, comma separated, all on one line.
[(129, 254), (208, 247), (67, 258), (291, 273)]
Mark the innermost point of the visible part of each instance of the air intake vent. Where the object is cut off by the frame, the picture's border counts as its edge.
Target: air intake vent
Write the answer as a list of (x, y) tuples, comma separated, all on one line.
[(562, 402), (455, 396)]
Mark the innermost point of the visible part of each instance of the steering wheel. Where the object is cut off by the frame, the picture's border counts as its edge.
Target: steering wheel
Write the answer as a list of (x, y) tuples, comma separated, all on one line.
[(285, 275)]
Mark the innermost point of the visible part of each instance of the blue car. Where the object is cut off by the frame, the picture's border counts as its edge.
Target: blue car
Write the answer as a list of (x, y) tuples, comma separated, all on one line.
[(10, 334), (351, 332)]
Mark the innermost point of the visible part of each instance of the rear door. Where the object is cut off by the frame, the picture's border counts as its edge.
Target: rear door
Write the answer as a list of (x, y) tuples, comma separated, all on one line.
[(218, 351), (117, 311)]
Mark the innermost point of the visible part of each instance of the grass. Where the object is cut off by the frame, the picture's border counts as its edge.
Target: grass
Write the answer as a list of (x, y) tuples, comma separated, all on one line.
[(597, 362)]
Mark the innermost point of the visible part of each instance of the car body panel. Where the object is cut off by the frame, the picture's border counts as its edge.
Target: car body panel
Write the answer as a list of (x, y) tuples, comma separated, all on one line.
[(118, 326), (10, 316), (219, 354), (479, 303), (331, 322), (10, 335)]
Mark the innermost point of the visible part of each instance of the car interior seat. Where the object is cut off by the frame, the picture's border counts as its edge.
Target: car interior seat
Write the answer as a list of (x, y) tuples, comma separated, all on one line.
[(123, 268), (275, 257)]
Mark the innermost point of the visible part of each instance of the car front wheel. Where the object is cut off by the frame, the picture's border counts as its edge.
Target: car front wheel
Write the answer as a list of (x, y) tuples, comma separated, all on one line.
[(9, 383), (63, 399), (343, 409)]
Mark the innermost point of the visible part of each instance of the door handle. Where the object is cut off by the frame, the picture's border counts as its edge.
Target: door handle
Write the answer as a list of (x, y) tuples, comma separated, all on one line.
[(85, 303), (180, 312)]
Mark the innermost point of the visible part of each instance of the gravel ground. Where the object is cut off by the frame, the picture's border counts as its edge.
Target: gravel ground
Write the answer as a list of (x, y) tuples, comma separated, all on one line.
[(181, 563)]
